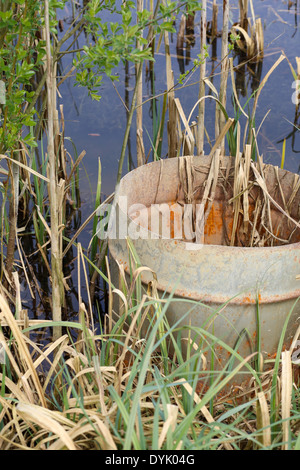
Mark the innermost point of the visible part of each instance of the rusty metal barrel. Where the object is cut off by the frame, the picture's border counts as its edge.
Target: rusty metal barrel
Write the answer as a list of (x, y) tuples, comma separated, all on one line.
[(240, 293)]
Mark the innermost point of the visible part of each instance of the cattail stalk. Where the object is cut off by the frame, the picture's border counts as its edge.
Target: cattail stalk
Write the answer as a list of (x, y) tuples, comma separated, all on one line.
[(139, 111), (172, 122), (200, 136), (243, 4), (56, 268), (220, 118), (214, 24)]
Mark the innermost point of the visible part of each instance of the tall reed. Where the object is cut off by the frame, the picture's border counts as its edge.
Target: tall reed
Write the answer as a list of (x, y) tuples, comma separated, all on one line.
[(56, 255), (220, 120), (201, 114), (139, 111)]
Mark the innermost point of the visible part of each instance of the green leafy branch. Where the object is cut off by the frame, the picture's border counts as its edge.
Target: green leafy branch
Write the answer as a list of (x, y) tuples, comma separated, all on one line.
[(115, 41)]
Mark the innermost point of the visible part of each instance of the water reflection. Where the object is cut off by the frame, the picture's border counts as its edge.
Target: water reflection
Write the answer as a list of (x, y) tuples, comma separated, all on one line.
[(294, 133), (189, 37), (247, 75), (185, 41), (296, 13)]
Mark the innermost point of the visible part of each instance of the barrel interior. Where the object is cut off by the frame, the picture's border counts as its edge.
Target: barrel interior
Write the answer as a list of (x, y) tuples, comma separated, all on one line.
[(255, 217)]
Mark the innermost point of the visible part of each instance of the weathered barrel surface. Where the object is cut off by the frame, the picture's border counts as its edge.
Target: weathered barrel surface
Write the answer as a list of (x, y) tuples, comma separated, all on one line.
[(236, 291)]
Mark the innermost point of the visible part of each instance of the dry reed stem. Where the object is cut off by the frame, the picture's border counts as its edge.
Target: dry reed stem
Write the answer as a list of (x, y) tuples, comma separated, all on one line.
[(263, 186), (172, 121), (211, 184), (220, 118), (56, 267), (103, 436), (286, 395), (17, 294), (250, 46), (58, 347), (25, 167), (186, 177), (139, 98), (214, 24), (236, 188), (234, 87), (129, 335), (99, 380), (221, 137), (263, 420), (201, 113), (255, 235), (74, 167), (21, 252), (262, 84), (259, 37), (170, 423), (243, 5), (245, 187), (296, 188), (50, 421), (80, 255), (188, 137), (7, 316), (180, 36), (254, 43)]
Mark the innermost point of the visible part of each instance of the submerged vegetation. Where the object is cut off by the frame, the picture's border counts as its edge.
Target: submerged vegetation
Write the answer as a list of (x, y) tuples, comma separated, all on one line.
[(91, 377)]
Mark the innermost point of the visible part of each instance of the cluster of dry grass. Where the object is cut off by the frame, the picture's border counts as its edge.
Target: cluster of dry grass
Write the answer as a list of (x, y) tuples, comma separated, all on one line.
[(117, 390)]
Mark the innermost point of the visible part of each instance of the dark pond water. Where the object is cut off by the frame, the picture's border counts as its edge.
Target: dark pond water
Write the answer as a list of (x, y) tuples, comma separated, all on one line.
[(98, 127)]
